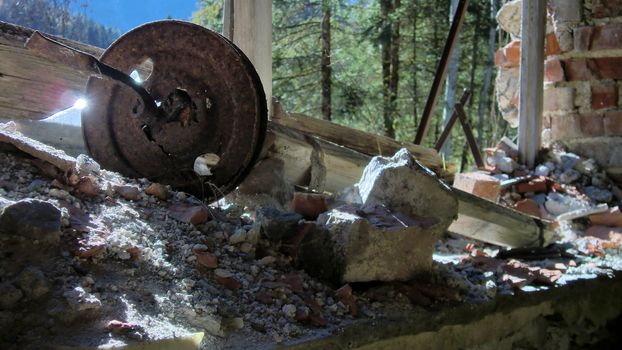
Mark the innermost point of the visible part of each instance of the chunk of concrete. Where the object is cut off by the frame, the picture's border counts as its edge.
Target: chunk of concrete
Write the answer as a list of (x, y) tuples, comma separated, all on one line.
[(33, 219), (390, 234)]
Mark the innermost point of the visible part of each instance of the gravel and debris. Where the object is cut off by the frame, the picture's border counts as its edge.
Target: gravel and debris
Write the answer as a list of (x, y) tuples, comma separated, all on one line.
[(123, 260)]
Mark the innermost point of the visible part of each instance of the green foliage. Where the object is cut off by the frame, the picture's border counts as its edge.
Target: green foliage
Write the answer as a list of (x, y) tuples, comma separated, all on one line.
[(53, 17), (209, 14)]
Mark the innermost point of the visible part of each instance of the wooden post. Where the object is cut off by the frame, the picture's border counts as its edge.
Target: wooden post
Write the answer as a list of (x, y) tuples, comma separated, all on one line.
[(249, 25), (533, 29)]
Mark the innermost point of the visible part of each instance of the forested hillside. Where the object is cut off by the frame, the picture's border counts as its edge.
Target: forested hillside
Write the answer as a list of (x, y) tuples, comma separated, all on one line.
[(370, 63), (54, 17)]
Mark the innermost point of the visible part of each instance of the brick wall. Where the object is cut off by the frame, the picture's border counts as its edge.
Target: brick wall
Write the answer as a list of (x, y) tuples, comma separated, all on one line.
[(583, 76)]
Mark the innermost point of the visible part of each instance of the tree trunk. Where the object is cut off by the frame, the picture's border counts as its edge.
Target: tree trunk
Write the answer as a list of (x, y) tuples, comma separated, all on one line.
[(395, 66), (485, 92), (385, 48), (325, 61), (450, 87), (414, 61)]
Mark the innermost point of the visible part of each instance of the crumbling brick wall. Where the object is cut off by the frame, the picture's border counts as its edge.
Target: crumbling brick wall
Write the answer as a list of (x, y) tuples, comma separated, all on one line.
[(583, 76)]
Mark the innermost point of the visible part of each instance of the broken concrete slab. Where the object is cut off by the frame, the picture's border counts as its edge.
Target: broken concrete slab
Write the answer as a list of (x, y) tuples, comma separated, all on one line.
[(390, 234)]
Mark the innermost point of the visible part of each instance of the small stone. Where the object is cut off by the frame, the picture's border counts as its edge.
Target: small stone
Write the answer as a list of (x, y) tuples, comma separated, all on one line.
[(9, 296), (598, 194), (246, 247), (88, 186), (33, 283), (277, 225), (289, 311), (568, 160), (85, 165), (238, 236), (586, 166), (131, 193), (206, 259), (158, 190), (542, 170), (80, 300), (569, 176), (266, 260)]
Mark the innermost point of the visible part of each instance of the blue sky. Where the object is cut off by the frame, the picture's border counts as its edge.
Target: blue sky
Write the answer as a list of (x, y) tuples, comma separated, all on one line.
[(127, 14)]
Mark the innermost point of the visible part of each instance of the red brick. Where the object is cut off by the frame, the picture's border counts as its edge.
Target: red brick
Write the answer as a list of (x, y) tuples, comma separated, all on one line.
[(536, 186), (528, 206), (607, 37), (509, 55), (577, 69), (612, 217), (604, 96), (553, 71), (558, 99), (607, 67), (478, 184), (613, 123), (551, 46), (309, 205), (583, 38), (606, 8), (591, 125), (565, 127)]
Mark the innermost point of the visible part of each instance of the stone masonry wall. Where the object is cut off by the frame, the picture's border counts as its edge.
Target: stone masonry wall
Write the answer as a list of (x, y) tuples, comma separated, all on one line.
[(583, 76)]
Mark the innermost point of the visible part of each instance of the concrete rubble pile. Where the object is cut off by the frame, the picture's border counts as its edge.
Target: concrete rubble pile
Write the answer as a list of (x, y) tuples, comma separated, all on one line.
[(571, 192), (91, 258)]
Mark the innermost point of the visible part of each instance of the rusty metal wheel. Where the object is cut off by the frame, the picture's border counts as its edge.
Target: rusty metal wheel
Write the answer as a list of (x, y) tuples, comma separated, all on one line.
[(209, 92)]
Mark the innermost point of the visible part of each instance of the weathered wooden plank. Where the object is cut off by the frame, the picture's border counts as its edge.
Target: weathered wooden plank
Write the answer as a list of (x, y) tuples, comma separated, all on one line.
[(358, 140), (33, 87), (485, 221)]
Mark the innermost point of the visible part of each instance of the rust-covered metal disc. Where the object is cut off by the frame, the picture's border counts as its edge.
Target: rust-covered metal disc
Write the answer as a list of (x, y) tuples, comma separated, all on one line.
[(224, 115)]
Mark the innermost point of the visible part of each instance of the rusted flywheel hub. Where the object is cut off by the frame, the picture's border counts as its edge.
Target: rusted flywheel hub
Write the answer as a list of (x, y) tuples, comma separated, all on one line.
[(208, 101)]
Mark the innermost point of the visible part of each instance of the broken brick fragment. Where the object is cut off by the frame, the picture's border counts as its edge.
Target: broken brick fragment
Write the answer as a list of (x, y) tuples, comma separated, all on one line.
[(537, 185), (190, 214), (131, 193), (612, 217), (88, 186), (228, 282), (528, 206), (264, 297), (344, 294), (206, 259), (478, 184), (309, 205), (158, 190)]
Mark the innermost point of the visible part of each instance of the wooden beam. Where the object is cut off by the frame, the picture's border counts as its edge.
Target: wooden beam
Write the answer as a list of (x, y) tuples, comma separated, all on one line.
[(249, 25), (533, 28), (361, 141)]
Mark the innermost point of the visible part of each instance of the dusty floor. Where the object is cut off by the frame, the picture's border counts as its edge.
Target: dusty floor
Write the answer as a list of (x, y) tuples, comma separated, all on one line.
[(137, 262)]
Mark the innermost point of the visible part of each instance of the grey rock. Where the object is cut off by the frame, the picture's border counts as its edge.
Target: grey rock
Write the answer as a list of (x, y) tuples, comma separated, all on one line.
[(277, 225), (79, 300), (569, 176), (32, 218), (33, 283), (85, 165), (586, 166), (598, 194), (35, 185), (542, 170), (568, 160), (600, 180), (9, 296), (558, 204)]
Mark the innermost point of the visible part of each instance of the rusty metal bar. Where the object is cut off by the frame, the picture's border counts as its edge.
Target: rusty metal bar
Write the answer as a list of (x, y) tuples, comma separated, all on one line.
[(468, 132), (452, 120), (441, 71)]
